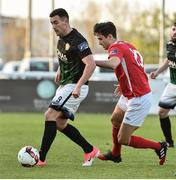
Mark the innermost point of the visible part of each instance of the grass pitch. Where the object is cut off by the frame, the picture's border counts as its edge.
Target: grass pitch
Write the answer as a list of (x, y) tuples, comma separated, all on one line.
[(65, 158)]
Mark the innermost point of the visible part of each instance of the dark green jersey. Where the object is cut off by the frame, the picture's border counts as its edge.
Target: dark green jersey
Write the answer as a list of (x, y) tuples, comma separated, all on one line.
[(71, 49), (171, 56)]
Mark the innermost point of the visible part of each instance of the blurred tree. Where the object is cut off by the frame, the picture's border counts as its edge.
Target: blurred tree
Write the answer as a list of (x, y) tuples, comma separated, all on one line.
[(40, 38), (120, 14), (89, 16), (144, 34), (13, 39), (141, 28)]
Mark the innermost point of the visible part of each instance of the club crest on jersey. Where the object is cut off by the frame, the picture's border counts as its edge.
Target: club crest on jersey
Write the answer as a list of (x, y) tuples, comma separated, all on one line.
[(84, 45), (114, 51), (67, 46)]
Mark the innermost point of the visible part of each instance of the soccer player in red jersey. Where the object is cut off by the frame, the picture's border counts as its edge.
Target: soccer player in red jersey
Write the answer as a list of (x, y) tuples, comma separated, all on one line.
[(135, 100)]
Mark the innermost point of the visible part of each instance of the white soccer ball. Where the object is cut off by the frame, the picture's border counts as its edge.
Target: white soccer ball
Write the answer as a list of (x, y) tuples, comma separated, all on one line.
[(28, 156)]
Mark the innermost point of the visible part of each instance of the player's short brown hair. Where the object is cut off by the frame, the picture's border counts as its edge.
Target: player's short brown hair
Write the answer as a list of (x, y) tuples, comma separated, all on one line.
[(105, 28)]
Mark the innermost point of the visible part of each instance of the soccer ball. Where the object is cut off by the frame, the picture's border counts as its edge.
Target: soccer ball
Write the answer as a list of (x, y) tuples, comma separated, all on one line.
[(28, 156)]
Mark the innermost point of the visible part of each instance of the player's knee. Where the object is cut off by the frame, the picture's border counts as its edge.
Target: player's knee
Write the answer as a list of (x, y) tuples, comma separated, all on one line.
[(46, 115), (49, 115), (122, 140), (115, 122), (61, 125), (163, 113)]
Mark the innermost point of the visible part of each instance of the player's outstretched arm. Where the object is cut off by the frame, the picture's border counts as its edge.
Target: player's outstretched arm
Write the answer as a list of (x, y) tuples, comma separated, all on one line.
[(112, 63), (162, 68)]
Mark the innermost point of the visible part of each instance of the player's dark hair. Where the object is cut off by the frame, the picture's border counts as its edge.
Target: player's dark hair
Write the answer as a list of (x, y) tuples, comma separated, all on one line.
[(59, 12), (105, 28)]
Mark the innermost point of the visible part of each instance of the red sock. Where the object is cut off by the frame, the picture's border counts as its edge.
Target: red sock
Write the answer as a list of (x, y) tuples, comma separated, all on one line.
[(140, 142), (116, 150)]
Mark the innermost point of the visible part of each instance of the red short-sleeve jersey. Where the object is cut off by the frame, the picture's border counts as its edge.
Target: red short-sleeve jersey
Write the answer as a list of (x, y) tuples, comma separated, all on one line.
[(130, 73)]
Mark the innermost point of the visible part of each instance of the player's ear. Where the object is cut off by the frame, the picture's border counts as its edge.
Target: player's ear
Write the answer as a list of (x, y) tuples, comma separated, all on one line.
[(110, 36)]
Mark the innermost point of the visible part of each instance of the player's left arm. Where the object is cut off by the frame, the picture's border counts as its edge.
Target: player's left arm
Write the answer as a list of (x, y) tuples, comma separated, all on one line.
[(88, 71), (112, 63)]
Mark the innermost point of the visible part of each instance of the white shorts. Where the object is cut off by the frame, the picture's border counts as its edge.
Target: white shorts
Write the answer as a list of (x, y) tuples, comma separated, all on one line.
[(136, 109), (168, 98), (63, 96)]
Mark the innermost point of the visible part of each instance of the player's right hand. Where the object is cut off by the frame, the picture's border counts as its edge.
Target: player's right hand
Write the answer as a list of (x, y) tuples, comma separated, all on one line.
[(76, 92), (153, 75)]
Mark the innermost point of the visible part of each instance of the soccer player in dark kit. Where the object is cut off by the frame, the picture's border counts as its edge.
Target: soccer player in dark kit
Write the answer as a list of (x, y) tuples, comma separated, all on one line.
[(168, 98), (76, 65)]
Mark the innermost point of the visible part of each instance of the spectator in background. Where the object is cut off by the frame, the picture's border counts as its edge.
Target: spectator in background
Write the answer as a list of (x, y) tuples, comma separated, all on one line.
[(168, 98)]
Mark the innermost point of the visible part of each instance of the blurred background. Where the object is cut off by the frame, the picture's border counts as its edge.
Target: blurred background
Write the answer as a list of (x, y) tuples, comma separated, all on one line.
[(28, 44), (25, 29)]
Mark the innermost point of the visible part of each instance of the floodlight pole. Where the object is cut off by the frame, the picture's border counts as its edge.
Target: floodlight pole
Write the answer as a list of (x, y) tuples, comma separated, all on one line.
[(51, 43), (28, 43), (162, 33)]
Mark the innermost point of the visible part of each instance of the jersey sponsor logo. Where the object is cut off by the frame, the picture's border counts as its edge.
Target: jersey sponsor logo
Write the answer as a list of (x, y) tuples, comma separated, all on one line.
[(172, 64), (113, 52), (62, 56), (84, 45)]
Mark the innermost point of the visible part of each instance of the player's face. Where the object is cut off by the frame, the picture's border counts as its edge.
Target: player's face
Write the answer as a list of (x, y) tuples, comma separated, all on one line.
[(173, 33), (103, 41), (59, 25)]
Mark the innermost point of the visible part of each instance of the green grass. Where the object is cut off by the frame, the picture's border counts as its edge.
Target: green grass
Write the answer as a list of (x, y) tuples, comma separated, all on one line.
[(65, 158)]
